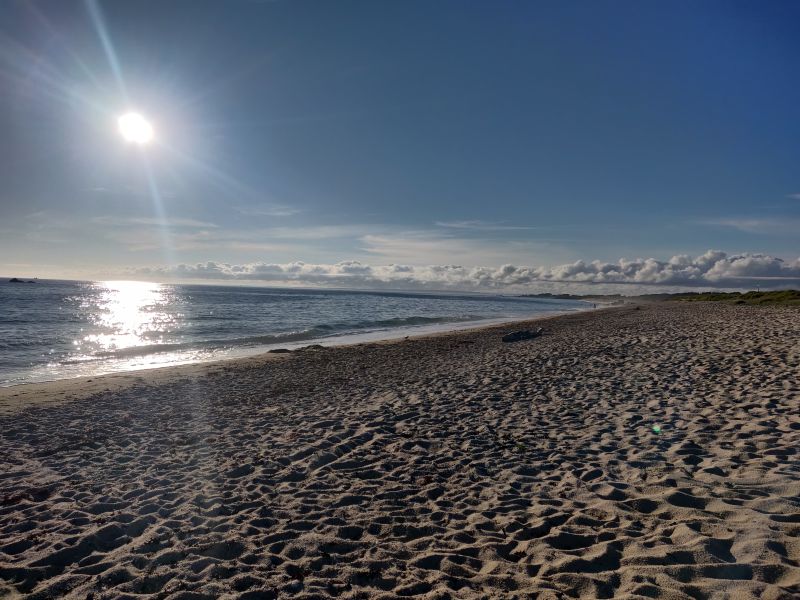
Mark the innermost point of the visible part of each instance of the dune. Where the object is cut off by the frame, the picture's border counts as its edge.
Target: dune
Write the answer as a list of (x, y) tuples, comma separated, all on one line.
[(629, 452)]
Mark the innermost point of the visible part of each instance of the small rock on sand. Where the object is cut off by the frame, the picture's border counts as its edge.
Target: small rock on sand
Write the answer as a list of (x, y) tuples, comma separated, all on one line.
[(525, 334)]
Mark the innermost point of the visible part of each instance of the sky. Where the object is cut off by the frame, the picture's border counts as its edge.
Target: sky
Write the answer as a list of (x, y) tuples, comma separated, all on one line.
[(462, 144)]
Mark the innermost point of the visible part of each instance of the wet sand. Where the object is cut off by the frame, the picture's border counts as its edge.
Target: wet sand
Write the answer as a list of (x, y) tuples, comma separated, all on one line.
[(640, 453)]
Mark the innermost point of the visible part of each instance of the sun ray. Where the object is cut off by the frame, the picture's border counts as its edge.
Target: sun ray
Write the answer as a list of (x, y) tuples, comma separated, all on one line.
[(108, 48)]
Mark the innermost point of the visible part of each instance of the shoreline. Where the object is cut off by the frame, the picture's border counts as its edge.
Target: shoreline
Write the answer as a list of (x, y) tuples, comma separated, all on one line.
[(647, 451), (207, 330), (17, 396)]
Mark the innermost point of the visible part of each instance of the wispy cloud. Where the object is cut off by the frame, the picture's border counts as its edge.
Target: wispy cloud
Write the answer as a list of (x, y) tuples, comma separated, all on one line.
[(425, 246), (268, 210), (44, 227), (712, 269), (172, 222), (320, 232), (189, 235), (130, 192), (482, 226), (758, 225), (359, 241)]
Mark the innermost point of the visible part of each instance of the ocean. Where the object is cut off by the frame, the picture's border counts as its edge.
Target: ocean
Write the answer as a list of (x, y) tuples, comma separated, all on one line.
[(63, 329)]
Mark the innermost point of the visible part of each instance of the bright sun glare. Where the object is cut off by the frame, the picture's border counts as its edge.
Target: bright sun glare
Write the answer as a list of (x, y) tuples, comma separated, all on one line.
[(135, 128)]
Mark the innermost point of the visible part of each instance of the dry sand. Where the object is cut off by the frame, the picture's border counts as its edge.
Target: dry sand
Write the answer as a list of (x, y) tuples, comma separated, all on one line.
[(452, 466)]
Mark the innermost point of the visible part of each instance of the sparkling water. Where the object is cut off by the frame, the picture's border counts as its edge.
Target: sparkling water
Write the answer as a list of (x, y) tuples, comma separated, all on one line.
[(60, 329)]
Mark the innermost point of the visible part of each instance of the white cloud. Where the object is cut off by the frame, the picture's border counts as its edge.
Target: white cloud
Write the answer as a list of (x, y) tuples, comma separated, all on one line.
[(712, 269)]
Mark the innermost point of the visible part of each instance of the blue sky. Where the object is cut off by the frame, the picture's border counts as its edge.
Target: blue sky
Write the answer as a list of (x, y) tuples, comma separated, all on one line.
[(415, 133)]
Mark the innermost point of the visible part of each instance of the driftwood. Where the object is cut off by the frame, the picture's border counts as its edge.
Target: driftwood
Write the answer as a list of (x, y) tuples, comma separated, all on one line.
[(525, 334)]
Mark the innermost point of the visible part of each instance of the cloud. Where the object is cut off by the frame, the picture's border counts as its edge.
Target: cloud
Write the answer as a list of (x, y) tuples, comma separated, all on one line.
[(425, 247), (268, 210), (171, 222), (766, 226), (317, 232), (144, 234), (712, 269), (482, 226), (131, 193)]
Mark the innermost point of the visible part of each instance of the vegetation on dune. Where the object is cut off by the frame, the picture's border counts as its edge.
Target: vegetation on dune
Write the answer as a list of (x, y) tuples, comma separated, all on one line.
[(785, 297), (780, 297)]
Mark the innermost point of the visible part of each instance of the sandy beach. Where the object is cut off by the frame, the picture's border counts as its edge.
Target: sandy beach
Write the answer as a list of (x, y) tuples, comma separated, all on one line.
[(630, 452)]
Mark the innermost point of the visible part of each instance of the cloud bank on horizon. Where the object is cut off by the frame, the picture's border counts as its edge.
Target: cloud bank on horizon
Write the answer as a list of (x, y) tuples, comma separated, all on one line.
[(713, 269)]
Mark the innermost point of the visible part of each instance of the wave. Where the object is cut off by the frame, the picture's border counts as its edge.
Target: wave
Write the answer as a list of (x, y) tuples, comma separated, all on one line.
[(313, 333)]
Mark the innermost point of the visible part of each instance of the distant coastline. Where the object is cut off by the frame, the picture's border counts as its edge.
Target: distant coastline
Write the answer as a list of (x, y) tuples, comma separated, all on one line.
[(779, 297)]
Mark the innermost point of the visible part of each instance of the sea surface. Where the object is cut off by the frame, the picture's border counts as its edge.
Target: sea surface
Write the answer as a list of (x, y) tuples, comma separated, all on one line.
[(62, 329)]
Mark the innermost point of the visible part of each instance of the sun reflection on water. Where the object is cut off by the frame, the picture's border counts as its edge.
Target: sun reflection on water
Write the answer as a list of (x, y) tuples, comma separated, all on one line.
[(128, 314)]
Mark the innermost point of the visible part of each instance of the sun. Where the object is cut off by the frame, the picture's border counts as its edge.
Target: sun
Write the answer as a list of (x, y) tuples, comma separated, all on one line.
[(135, 128)]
